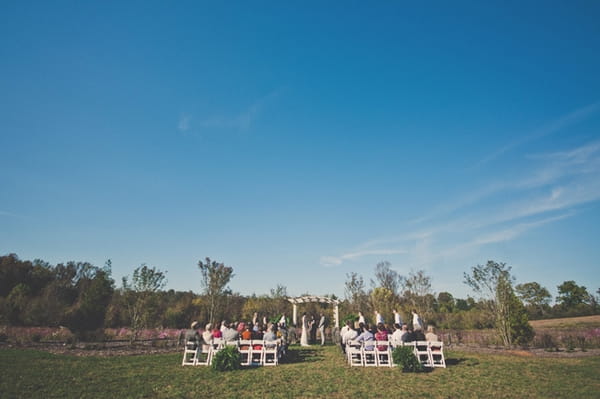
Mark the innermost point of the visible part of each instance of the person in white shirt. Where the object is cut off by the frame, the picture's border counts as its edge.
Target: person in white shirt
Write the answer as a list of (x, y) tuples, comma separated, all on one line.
[(361, 318), (417, 322), (343, 331), (207, 336), (378, 318), (282, 321), (397, 335), (397, 318), (349, 335)]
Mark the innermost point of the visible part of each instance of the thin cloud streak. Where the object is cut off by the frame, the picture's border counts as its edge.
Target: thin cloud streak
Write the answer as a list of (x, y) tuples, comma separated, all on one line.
[(243, 120), (338, 260), (545, 194), (554, 126), (184, 123)]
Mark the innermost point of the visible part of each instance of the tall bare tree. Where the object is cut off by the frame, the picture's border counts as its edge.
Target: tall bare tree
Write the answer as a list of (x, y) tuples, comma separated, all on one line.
[(215, 277)]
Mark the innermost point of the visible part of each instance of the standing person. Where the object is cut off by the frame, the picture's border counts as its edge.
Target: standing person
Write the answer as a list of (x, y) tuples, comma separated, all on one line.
[(361, 318), (397, 318), (282, 321), (417, 322), (313, 329), (255, 319), (322, 323), (378, 318), (304, 336)]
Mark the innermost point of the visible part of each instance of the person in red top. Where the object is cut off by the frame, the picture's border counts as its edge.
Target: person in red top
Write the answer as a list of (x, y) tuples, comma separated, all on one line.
[(381, 335)]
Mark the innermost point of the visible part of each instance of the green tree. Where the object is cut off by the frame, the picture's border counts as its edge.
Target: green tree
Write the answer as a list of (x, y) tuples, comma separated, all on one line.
[(418, 293), (355, 292), (571, 295), (386, 277), (446, 302), (140, 296), (493, 282), (534, 296), (215, 277)]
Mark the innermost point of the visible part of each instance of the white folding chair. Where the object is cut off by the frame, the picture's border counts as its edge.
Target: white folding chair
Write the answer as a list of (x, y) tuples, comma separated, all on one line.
[(436, 349), (245, 347), (369, 355), (270, 353), (383, 353), (204, 356), (422, 353), (257, 352), (190, 354), (354, 353)]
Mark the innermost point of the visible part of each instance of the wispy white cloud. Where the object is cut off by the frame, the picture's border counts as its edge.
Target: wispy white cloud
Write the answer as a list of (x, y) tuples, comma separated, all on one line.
[(242, 120), (184, 123), (10, 214), (502, 211), (546, 130), (338, 260)]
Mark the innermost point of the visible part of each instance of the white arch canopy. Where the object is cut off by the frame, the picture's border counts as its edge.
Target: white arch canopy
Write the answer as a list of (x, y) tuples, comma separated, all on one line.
[(319, 299)]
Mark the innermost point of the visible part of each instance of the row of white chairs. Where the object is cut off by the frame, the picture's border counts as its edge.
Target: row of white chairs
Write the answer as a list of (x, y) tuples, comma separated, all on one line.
[(379, 353), (253, 352)]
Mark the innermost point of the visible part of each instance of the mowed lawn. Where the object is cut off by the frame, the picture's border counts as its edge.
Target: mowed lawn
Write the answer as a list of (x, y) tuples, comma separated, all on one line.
[(308, 373)]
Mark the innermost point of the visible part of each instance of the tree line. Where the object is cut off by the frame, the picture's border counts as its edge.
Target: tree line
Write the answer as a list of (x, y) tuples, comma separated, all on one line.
[(86, 299)]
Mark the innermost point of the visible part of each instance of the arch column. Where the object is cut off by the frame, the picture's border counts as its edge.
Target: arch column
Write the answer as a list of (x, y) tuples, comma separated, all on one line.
[(295, 315)]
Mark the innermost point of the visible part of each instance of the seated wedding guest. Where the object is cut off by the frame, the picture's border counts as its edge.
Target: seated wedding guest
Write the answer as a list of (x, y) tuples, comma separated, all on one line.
[(192, 337), (223, 326), (418, 335), (241, 327), (247, 333), (431, 336), (397, 335), (381, 335), (207, 336), (217, 333), (350, 335), (343, 331), (270, 336), (406, 335), (366, 337), (230, 334)]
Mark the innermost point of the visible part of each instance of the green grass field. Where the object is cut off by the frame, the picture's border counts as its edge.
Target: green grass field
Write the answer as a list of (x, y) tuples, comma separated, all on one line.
[(308, 373)]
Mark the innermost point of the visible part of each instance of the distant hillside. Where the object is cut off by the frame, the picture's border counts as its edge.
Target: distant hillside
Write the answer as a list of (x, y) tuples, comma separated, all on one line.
[(568, 322)]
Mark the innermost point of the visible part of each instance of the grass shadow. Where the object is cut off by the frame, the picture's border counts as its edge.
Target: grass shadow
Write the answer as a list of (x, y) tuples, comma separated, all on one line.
[(302, 355), (464, 360)]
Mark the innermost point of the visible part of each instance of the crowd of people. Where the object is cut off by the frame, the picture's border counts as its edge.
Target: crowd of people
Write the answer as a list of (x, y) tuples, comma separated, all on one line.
[(379, 331), (233, 331), (354, 330)]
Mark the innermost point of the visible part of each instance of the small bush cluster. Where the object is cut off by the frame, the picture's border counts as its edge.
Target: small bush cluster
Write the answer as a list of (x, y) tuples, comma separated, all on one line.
[(227, 359), (405, 358)]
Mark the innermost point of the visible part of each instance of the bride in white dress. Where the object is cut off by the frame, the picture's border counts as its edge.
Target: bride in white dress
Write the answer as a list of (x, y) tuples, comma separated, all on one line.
[(304, 336)]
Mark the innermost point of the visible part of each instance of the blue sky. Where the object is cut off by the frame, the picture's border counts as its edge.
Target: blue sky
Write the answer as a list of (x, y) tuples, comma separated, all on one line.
[(299, 142)]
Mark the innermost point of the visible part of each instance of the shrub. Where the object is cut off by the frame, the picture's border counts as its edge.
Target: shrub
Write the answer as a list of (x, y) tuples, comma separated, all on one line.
[(548, 343), (227, 359), (581, 342), (404, 357)]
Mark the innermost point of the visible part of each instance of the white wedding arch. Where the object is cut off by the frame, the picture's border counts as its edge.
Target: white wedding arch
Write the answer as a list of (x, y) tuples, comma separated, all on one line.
[(319, 299)]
